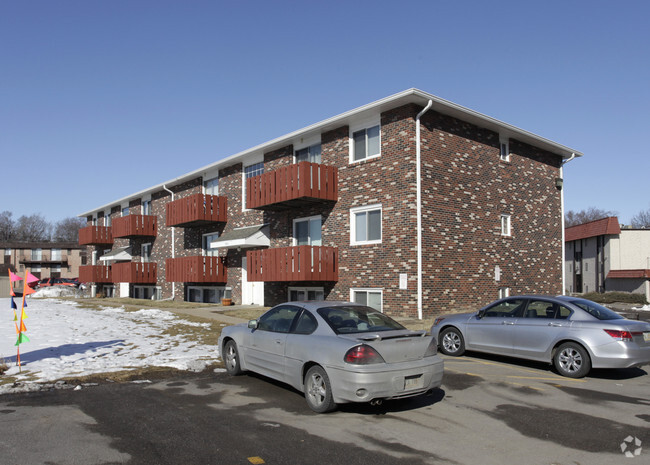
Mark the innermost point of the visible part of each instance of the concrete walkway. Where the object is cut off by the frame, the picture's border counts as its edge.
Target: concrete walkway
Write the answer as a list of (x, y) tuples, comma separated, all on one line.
[(217, 312)]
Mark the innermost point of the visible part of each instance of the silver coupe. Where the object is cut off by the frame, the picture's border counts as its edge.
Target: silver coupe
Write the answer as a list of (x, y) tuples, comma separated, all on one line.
[(334, 352), (574, 334)]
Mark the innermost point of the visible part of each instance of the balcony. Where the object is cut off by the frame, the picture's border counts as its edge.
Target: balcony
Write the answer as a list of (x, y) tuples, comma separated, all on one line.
[(197, 210), (134, 225), (293, 186), (95, 274), (196, 269), (96, 235), (300, 263), (133, 272)]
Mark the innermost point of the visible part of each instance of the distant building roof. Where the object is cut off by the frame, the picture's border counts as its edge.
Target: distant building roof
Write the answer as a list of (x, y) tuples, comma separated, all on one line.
[(40, 245), (602, 227)]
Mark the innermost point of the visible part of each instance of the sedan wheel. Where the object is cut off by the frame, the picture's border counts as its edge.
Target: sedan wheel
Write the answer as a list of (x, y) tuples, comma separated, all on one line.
[(318, 391), (451, 342), (572, 360), (231, 358)]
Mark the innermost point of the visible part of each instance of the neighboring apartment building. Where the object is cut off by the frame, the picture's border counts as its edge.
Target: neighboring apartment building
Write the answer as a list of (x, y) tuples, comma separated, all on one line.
[(42, 259), (602, 257), (411, 204)]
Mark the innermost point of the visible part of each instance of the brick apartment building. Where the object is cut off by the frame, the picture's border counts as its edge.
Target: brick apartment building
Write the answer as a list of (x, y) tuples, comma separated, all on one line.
[(412, 204), (42, 259)]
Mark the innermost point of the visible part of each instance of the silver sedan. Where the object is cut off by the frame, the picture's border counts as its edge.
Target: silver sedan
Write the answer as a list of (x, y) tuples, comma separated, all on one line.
[(572, 333), (334, 352)]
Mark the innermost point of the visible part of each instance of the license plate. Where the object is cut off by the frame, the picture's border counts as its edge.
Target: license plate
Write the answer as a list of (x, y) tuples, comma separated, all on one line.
[(646, 337), (413, 382)]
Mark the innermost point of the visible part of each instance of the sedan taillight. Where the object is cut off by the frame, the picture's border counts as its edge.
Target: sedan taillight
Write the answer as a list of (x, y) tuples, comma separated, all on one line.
[(363, 355), (432, 349), (620, 335)]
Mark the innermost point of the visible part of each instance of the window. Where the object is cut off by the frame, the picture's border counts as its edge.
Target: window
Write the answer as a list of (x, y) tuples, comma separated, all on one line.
[(94, 221), (504, 149), (205, 294), (306, 293), (279, 319), (310, 154), (211, 186), (147, 292), (370, 297), (125, 211), (146, 253), (365, 225), (107, 219), (307, 231), (208, 250), (365, 143), (504, 292), (146, 207), (251, 171), (505, 225), (37, 254), (7, 251), (56, 254), (306, 324), (510, 308)]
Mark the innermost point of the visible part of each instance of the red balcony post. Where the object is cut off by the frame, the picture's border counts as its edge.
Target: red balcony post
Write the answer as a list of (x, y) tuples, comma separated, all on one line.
[(95, 235)]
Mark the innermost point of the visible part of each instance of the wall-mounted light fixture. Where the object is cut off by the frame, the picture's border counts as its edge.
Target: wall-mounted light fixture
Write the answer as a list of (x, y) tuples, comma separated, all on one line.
[(559, 182)]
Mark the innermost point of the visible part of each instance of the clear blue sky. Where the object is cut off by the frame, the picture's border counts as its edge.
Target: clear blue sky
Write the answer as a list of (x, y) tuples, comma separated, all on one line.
[(101, 99)]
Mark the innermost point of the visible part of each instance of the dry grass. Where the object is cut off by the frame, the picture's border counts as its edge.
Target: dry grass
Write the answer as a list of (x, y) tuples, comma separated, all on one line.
[(246, 313)]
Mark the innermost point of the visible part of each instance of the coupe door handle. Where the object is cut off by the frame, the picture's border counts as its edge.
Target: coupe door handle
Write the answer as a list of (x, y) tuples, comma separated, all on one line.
[(554, 324), (278, 341), (508, 323)]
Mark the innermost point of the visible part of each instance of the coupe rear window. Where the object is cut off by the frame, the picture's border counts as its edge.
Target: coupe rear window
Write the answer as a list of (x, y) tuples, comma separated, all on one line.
[(596, 310), (357, 319)]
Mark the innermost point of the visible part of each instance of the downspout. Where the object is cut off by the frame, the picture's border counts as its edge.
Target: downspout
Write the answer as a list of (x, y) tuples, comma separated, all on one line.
[(173, 242), (418, 201), (573, 155)]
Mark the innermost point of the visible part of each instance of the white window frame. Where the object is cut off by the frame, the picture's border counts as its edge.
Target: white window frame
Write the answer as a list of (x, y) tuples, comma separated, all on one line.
[(372, 290), (306, 290), (367, 124), (253, 161), (367, 208), (107, 218), (211, 186), (504, 149), (504, 292), (506, 225), (125, 211), (145, 206), (56, 253), (222, 290), (308, 218), (145, 246), (209, 252), (309, 145)]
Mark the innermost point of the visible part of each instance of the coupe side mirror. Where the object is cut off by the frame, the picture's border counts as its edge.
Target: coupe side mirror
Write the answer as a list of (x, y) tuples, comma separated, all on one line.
[(252, 324), (480, 315)]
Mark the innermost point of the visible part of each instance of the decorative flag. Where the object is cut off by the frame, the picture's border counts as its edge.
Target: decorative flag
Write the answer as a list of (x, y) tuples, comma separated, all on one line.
[(21, 338), (14, 277), (21, 329), (13, 304), (30, 278), (26, 291)]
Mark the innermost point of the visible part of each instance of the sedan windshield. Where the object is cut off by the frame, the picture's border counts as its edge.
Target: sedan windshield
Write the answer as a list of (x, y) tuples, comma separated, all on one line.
[(596, 310), (357, 319)]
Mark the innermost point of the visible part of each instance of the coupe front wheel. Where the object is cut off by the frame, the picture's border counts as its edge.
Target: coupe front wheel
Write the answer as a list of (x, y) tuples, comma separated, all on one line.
[(572, 360), (452, 342), (318, 391), (231, 358)]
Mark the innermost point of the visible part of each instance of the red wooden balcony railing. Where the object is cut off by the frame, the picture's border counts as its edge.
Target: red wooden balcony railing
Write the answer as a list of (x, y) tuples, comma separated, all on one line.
[(196, 269), (299, 263), (134, 272), (95, 274), (134, 225), (197, 210), (293, 186), (91, 235)]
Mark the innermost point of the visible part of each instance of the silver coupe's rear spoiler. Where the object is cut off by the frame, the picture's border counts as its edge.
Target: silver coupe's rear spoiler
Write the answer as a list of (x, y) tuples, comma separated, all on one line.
[(390, 335)]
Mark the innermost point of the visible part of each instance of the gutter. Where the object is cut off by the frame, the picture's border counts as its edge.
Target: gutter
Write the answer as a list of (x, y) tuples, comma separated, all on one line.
[(418, 201), (564, 162), (164, 186)]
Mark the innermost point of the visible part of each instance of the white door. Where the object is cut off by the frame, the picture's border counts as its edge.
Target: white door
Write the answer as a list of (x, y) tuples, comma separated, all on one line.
[(252, 292), (124, 289)]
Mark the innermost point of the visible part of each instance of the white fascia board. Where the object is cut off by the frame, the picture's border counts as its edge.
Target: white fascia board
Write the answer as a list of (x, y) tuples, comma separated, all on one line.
[(408, 96)]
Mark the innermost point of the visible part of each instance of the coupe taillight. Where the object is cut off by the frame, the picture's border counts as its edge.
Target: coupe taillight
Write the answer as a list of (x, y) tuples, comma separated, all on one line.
[(620, 335), (363, 355)]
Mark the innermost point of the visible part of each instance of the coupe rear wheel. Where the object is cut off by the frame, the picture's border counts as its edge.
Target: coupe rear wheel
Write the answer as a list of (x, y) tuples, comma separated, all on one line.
[(318, 391), (231, 358), (572, 360), (452, 342)]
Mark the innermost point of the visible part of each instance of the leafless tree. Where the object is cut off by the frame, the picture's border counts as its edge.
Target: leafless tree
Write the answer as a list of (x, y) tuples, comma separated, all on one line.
[(33, 228), (68, 229), (6, 226), (572, 218), (641, 220)]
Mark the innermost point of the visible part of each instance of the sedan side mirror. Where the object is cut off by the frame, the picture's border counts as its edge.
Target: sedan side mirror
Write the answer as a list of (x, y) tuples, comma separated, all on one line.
[(252, 324)]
